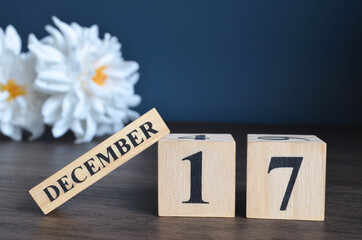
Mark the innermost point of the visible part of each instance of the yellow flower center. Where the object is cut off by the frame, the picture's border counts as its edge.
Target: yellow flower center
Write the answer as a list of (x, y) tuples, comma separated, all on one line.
[(100, 77), (14, 89)]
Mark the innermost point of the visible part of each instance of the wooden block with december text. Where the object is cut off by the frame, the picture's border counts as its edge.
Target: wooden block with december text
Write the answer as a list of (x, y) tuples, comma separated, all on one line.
[(285, 177), (196, 175), (99, 161)]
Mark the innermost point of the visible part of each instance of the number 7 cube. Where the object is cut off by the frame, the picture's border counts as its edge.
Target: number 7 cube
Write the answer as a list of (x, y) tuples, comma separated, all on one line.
[(196, 175), (285, 177)]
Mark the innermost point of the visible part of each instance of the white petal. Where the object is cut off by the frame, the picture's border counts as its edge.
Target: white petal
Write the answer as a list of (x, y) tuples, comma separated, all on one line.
[(7, 114), (51, 119), (55, 74), (68, 32), (21, 102), (116, 114), (36, 131), (117, 126), (61, 127), (133, 100), (79, 31), (58, 37), (120, 102), (98, 106), (76, 127), (112, 44), (80, 111), (132, 115), (104, 60), (68, 105), (3, 96), (12, 39), (104, 129), (44, 52), (51, 107), (34, 125), (91, 128), (93, 31), (48, 40), (123, 70), (50, 87), (16, 134), (121, 89), (7, 129), (133, 79), (103, 119), (11, 131)]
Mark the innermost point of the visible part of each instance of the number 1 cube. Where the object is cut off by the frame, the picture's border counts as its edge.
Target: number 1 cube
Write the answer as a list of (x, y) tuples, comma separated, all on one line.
[(196, 175), (285, 177)]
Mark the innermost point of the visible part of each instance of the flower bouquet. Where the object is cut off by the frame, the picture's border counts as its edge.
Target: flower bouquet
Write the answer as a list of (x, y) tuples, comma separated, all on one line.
[(70, 80)]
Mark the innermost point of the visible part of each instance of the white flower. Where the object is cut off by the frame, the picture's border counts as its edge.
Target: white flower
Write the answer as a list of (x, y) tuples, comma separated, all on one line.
[(91, 87), (20, 105)]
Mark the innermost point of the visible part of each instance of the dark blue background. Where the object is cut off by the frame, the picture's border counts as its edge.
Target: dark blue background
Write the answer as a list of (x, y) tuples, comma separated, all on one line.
[(230, 61)]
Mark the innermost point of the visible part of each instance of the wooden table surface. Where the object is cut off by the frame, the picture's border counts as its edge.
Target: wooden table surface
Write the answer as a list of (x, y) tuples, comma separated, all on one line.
[(123, 205)]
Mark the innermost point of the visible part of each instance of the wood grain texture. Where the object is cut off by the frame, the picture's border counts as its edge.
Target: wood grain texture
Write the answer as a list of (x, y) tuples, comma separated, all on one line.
[(123, 205), (217, 181), (99, 161), (267, 187)]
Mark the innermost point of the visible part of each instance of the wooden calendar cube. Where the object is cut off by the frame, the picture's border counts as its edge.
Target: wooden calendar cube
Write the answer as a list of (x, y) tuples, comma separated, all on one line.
[(285, 177), (196, 175)]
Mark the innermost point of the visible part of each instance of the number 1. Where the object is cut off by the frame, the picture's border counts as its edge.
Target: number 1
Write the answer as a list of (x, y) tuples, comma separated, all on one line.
[(196, 178), (287, 162)]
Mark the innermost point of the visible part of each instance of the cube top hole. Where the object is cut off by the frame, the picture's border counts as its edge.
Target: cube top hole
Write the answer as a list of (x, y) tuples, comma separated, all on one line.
[(283, 138), (202, 137)]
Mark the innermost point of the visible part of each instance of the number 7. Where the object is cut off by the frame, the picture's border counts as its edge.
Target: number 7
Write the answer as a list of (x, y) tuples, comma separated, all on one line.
[(286, 162)]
